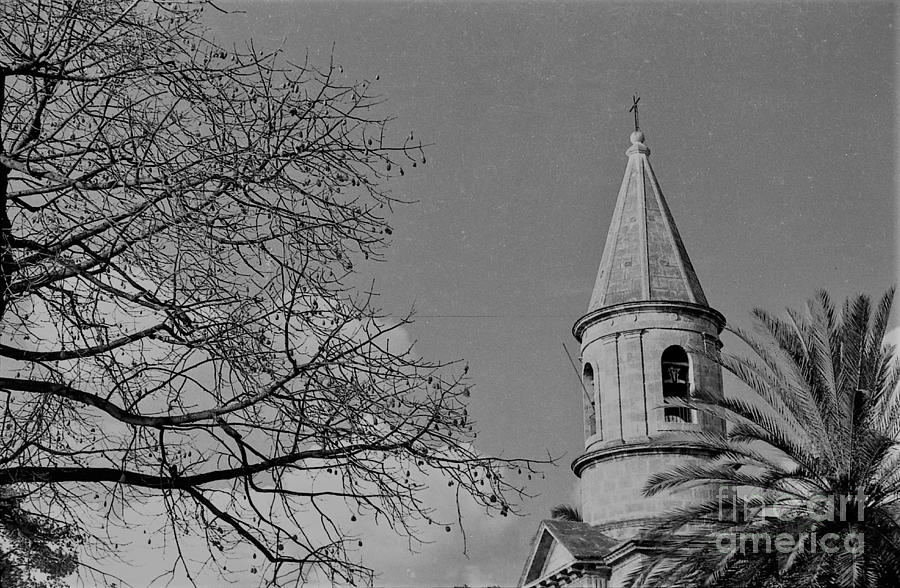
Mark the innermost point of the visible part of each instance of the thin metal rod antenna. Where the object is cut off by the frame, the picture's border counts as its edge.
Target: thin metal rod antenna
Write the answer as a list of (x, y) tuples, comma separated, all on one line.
[(587, 396)]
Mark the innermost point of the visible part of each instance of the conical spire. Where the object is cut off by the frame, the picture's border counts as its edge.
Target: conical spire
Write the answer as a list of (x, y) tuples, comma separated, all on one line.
[(644, 258)]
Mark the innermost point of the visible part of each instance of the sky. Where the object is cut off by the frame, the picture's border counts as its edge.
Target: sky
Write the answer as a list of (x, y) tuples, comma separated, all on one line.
[(773, 135)]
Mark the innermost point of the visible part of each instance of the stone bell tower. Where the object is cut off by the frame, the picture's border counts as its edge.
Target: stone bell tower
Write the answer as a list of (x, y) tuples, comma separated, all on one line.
[(645, 339), (642, 341)]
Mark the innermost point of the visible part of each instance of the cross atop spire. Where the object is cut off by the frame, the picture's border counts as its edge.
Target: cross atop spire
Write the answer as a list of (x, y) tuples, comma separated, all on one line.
[(634, 108)]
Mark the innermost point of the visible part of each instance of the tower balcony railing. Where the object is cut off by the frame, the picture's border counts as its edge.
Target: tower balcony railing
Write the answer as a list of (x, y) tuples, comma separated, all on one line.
[(678, 414)]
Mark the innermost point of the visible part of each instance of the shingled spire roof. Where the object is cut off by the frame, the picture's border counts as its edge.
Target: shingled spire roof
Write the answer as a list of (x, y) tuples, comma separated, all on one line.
[(644, 258)]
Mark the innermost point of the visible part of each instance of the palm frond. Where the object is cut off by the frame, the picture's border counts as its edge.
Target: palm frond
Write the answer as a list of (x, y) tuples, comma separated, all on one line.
[(566, 512), (801, 405)]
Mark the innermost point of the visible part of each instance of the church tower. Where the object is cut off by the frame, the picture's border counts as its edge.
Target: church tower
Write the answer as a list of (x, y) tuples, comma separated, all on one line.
[(643, 340), (646, 338)]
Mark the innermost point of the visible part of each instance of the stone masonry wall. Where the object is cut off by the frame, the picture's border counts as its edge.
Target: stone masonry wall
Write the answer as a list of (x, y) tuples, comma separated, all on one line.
[(625, 353)]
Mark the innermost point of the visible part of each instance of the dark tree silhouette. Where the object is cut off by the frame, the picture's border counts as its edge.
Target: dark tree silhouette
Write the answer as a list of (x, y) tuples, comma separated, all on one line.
[(180, 325), (40, 552)]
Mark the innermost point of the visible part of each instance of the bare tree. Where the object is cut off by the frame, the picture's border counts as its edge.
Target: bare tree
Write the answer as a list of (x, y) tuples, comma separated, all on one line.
[(180, 323)]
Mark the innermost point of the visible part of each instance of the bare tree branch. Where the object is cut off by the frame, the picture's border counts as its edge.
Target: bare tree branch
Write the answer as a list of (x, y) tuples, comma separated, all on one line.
[(181, 224)]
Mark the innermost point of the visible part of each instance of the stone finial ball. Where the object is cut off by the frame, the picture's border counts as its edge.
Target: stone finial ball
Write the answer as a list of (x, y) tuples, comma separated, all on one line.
[(637, 137)]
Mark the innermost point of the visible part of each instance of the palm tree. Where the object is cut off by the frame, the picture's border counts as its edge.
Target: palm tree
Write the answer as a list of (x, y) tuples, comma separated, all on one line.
[(810, 456)]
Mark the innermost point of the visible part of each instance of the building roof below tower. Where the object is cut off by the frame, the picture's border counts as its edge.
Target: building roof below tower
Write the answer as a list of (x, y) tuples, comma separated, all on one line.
[(563, 551)]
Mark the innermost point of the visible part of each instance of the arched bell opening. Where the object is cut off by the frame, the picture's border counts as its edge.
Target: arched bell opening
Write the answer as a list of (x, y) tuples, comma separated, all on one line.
[(676, 382)]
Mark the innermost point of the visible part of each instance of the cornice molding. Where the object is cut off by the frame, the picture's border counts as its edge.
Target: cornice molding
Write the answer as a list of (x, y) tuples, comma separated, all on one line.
[(690, 308), (580, 463)]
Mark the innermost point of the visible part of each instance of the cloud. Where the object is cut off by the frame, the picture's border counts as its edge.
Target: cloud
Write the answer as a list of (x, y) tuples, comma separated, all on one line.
[(893, 336), (429, 562), (436, 557), (144, 551)]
